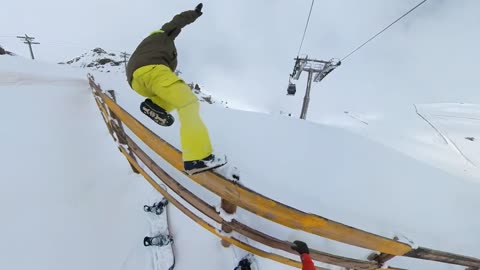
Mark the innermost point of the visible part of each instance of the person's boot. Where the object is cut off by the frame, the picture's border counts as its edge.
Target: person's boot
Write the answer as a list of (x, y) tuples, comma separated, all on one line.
[(209, 163), (156, 113)]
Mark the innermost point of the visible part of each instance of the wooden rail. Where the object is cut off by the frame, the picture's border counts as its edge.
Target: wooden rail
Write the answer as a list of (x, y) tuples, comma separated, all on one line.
[(237, 226), (255, 203), (209, 227)]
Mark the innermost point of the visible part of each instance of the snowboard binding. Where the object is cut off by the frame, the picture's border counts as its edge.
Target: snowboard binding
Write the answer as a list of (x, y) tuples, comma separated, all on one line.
[(160, 240), (156, 113), (156, 208)]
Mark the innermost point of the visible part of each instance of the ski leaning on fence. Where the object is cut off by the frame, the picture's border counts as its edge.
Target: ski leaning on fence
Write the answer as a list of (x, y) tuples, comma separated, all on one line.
[(160, 240)]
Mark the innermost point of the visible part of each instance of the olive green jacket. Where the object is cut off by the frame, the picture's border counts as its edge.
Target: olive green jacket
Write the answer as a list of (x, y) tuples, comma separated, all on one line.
[(159, 47)]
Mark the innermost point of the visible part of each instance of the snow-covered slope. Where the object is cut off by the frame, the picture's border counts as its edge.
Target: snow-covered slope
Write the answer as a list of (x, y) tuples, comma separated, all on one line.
[(68, 198), (98, 60), (206, 97), (458, 125), (65, 194), (60, 161), (443, 135)]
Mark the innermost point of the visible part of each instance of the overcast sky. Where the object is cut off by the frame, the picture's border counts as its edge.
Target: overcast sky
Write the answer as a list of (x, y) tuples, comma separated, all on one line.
[(244, 49)]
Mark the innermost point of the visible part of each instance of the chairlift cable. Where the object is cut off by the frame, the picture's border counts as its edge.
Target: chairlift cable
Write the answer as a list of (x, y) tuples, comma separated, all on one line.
[(383, 30), (306, 26)]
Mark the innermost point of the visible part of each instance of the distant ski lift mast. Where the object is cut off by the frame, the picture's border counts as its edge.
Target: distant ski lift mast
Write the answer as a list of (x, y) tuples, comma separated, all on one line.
[(317, 70)]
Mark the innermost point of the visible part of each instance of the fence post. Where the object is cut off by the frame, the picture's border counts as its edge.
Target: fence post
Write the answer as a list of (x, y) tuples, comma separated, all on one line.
[(118, 128), (381, 258), (229, 208)]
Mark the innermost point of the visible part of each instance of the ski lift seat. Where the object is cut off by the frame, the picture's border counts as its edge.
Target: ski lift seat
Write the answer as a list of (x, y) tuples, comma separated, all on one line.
[(292, 89)]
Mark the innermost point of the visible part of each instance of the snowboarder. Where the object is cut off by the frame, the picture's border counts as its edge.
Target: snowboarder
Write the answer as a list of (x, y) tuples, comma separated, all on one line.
[(304, 251), (151, 73)]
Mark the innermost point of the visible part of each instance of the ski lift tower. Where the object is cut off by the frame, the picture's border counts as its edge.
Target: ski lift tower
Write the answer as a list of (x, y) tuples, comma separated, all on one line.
[(317, 70)]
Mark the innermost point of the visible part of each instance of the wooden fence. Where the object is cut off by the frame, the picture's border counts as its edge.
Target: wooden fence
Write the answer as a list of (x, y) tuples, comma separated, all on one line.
[(234, 195)]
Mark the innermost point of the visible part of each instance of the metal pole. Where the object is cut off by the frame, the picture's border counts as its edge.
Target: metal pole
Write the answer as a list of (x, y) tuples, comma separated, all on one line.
[(306, 99), (124, 55), (29, 41), (31, 51)]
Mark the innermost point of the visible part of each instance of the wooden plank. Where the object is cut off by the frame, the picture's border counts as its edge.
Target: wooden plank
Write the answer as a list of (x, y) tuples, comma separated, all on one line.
[(105, 118), (210, 228), (259, 204), (98, 100), (253, 234), (121, 135), (120, 130), (108, 116), (381, 258), (316, 255), (445, 257), (181, 191)]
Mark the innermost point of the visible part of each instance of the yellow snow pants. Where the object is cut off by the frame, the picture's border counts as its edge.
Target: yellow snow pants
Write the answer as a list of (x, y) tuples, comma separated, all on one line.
[(168, 91)]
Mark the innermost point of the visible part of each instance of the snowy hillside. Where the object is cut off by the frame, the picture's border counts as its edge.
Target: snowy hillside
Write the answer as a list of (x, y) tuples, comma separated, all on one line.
[(458, 125), (60, 161), (206, 97), (443, 135), (5, 52), (99, 60)]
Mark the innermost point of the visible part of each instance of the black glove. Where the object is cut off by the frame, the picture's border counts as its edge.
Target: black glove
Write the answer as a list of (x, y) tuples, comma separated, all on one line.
[(300, 247), (198, 9)]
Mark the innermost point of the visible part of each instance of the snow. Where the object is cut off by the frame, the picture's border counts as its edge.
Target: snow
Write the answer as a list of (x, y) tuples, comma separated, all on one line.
[(438, 134), (67, 194), (98, 60), (458, 124)]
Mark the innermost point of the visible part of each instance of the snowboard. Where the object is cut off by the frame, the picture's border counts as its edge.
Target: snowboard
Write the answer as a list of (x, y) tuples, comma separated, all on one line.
[(160, 240), (218, 163)]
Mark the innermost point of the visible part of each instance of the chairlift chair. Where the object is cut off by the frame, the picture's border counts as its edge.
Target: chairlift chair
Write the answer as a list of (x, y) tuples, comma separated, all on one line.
[(292, 88)]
